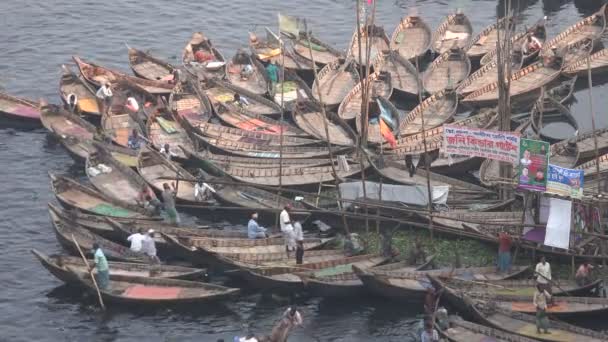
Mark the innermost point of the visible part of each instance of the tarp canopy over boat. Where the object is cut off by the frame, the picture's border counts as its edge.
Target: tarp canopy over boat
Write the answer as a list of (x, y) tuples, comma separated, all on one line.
[(416, 195)]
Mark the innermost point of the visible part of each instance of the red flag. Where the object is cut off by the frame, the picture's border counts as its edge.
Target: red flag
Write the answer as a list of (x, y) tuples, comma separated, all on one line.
[(387, 133)]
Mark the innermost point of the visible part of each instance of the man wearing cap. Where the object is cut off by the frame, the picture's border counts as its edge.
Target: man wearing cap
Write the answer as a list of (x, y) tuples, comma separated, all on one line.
[(287, 229), (254, 230), (148, 247)]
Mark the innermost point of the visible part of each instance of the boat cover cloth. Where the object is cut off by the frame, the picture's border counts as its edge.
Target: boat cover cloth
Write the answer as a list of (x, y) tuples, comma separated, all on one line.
[(408, 194)]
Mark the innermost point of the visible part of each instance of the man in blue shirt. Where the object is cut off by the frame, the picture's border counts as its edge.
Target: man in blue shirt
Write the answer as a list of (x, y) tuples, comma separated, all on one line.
[(103, 270), (254, 230)]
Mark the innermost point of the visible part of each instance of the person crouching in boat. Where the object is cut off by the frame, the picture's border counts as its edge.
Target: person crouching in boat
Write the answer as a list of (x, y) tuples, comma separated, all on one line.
[(168, 196), (134, 141), (583, 274), (254, 230), (148, 247), (532, 45), (287, 229), (101, 264), (541, 298)]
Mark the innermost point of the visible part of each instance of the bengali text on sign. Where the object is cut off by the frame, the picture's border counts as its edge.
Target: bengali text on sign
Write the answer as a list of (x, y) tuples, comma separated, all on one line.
[(474, 142)]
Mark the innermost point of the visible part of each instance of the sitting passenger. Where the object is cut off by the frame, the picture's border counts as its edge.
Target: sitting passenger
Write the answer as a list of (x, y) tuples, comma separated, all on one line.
[(254, 230)]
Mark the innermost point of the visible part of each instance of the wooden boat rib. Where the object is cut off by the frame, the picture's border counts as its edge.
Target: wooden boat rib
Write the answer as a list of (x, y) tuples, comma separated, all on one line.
[(158, 291), (114, 179), (381, 109), (262, 150), (227, 246), (381, 85), (205, 70), (578, 51), (73, 84), (404, 76), (257, 82), (286, 278), (464, 331), (486, 40), (19, 109), (156, 170), (292, 176), (222, 93), (64, 231), (96, 74), (379, 43), (599, 64), (57, 266), (523, 287), (165, 128), (454, 31), (515, 322), (488, 74), (477, 222), (437, 110), (590, 27), (447, 71), (334, 81), (322, 52), (239, 135), (190, 104), (538, 31), (146, 66), (590, 167), (269, 50), (540, 119), (411, 38), (308, 116), (586, 145), (73, 195), (525, 82)]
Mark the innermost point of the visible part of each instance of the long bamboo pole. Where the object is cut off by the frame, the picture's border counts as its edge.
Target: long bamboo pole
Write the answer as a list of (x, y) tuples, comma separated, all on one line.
[(282, 80), (86, 263), (325, 118)]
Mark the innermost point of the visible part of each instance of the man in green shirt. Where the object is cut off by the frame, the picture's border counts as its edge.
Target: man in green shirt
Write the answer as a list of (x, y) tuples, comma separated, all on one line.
[(101, 263), (273, 72)]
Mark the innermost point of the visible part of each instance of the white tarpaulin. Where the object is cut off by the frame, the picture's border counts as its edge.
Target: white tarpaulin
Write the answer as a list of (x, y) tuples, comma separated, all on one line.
[(408, 194), (558, 224)]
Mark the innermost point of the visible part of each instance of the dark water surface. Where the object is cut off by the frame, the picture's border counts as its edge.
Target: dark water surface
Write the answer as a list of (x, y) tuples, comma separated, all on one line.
[(38, 36)]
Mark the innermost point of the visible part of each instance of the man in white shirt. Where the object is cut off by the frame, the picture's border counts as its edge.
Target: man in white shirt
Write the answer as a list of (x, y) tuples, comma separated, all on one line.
[(148, 247), (104, 94), (167, 152), (543, 275), (136, 240), (287, 229)]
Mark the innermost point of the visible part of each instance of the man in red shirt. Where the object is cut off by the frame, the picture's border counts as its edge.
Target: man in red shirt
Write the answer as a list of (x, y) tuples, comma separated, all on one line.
[(504, 251)]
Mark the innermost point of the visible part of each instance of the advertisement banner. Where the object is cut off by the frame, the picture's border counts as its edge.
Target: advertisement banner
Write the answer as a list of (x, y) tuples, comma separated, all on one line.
[(533, 164), (474, 142), (565, 182)]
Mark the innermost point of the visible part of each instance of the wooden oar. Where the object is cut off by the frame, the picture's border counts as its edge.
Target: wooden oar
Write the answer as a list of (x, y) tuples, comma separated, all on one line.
[(553, 283), (86, 263)]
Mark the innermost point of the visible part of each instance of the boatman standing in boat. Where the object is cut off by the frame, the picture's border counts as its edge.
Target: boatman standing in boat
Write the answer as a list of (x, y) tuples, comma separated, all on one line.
[(543, 275), (104, 94), (169, 204), (504, 252), (287, 229), (254, 230), (136, 240), (148, 247), (541, 298), (273, 72), (101, 264)]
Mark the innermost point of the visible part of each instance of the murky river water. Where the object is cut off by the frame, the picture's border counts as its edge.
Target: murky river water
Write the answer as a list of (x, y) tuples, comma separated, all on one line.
[(38, 36)]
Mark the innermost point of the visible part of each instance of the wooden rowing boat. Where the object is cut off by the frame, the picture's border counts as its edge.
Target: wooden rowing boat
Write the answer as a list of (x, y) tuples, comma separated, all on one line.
[(158, 291), (464, 331), (478, 222), (114, 179), (256, 81), (488, 73), (151, 68), (578, 51), (411, 38), (118, 121), (436, 110), (156, 170), (19, 109), (544, 122), (447, 71), (334, 81), (287, 278), (404, 75), (291, 176), (454, 31), (486, 40), (289, 89), (348, 283), (268, 50), (590, 27), (308, 116), (381, 85), (586, 144), (518, 40), (166, 129), (190, 104), (96, 74), (239, 135), (598, 62), (525, 83), (223, 94), (515, 322), (322, 52), (71, 84), (65, 230), (412, 285), (57, 265), (73, 195), (381, 108), (62, 123), (214, 67), (379, 42), (523, 287)]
